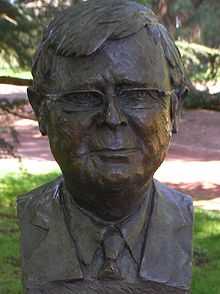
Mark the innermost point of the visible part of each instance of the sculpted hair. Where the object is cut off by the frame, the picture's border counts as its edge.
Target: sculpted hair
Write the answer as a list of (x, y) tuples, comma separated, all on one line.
[(83, 28)]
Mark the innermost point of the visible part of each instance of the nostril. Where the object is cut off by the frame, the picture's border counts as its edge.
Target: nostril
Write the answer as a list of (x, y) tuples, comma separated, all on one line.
[(113, 117), (124, 122)]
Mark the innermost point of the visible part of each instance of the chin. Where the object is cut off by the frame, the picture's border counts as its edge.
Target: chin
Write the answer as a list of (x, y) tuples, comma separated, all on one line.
[(113, 175), (115, 180)]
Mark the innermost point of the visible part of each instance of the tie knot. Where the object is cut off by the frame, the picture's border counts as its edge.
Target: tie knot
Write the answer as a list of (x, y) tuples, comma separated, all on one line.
[(113, 245)]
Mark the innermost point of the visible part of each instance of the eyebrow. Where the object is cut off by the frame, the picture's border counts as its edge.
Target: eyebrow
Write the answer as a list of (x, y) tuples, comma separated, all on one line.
[(101, 80)]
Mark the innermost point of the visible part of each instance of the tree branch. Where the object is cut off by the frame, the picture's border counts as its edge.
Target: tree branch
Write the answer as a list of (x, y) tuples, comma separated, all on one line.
[(15, 81)]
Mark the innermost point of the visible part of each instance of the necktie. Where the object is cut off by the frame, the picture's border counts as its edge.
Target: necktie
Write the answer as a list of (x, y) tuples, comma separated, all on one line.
[(113, 245)]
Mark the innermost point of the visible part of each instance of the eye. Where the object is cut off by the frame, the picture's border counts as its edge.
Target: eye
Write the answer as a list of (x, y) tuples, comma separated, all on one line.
[(81, 101), (138, 99)]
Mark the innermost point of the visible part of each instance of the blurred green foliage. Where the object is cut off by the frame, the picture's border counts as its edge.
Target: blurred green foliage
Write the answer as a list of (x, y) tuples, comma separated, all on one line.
[(21, 23), (19, 28), (16, 72), (193, 23), (202, 63)]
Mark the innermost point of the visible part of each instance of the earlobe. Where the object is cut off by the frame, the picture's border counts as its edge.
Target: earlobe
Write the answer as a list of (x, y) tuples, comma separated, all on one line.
[(36, 101), (173, 112), (175, 126), (176, 108), (42, 127)]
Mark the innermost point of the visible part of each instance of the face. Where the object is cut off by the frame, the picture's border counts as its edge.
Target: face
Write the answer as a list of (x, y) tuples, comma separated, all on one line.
[(106, 118)]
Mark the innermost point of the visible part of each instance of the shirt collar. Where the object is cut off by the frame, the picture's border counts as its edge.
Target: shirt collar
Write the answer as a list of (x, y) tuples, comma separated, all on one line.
[(87, 231)]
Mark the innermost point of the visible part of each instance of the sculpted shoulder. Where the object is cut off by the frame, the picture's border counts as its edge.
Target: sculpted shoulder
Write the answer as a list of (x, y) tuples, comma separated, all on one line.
[(181, 201), (45, 242), (170, 229), (43, 194)]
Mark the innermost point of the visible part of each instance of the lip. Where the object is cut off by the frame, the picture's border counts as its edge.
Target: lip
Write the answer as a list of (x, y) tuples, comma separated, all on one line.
[(111, 153)]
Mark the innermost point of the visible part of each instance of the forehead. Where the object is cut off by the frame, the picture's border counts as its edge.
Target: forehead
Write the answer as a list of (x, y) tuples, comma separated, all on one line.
[(134, 61)]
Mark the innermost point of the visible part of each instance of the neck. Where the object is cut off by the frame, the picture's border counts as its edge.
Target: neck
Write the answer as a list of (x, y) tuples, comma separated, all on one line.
[(108, 205)]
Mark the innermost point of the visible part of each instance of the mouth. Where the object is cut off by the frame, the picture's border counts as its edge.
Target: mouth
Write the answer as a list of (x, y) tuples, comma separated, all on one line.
[(118, 153)]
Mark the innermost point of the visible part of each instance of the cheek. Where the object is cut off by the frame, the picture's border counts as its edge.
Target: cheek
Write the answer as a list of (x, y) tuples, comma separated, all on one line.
[(153, 129), (67, 133)]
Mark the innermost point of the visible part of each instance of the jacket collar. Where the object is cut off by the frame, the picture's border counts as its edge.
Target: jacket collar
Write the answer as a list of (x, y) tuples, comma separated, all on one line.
[(55, 258), (168, 244), (78, 221), (164, 255)]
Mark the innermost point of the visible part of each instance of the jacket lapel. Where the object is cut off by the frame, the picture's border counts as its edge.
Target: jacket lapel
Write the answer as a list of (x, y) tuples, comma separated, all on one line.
[(166, 255), (55, 258), (167, 252)]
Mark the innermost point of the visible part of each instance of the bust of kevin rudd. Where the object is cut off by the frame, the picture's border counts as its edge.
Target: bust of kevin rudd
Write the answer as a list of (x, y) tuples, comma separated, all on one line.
[(108, 88)]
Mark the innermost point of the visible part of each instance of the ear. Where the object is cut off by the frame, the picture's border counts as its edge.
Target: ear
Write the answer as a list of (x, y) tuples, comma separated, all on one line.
[(36, 101), (177, 100)]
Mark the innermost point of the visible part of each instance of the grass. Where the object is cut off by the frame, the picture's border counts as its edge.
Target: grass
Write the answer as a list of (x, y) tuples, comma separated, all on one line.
[(206, 267), (11, 186), (207, 252)]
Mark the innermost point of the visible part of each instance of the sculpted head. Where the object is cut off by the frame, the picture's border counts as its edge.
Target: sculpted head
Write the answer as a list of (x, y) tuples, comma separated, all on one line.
[(108, 90)]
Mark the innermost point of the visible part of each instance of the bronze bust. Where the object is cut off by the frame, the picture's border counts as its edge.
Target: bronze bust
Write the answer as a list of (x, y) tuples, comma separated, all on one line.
[(108, 88)]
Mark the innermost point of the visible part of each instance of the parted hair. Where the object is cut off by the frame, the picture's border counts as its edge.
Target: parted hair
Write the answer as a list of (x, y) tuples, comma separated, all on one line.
[(82, 29)]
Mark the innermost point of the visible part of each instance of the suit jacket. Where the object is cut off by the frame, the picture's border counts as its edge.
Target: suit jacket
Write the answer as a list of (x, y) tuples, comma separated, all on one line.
[(49, 254)]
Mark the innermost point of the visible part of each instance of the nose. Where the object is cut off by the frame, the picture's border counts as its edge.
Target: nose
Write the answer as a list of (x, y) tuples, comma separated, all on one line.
[(113, 116)]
